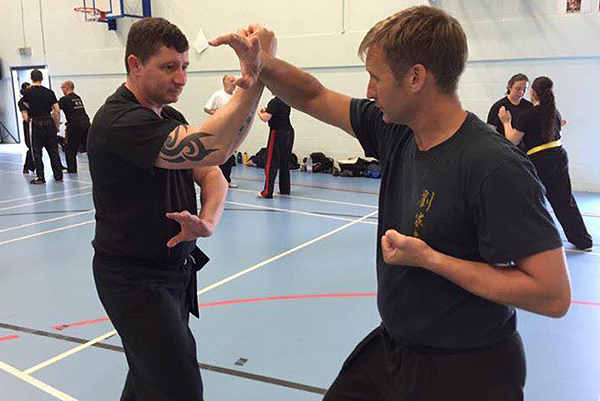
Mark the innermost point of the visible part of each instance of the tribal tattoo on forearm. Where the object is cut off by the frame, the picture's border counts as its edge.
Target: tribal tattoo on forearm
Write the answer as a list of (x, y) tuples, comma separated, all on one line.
[(189, 149)]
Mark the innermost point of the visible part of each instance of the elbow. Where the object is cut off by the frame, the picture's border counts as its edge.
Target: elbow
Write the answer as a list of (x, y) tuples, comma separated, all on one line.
[(559, 305)]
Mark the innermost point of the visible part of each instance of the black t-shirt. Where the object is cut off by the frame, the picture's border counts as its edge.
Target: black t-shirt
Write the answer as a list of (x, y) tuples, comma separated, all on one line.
[(22, 105), (474, 197), (131, 195), (515, 112), (40, 100), (280, 114), (72, 106), (530, 124)]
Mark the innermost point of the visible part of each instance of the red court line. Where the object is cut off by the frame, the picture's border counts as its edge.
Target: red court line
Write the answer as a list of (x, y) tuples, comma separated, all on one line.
[(85, 323), (9, 338), (265, 299), (285, 297)]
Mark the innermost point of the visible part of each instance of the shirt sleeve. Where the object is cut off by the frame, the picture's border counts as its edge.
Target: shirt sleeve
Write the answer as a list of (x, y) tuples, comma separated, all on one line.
[(53, 98), (511, 216), (368, 125), (62, 103), (493, 118), (211, 102), (272, 107), (138, 135)]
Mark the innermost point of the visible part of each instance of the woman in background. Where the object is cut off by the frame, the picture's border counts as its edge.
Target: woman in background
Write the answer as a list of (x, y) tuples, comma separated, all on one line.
[(539, 129)]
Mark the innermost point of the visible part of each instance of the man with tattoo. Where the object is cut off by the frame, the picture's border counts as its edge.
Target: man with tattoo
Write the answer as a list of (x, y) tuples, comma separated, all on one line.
[(144, 159)]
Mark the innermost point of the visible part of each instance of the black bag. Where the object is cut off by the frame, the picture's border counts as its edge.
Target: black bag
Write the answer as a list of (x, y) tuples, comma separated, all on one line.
[(321, 163), (356, 166)]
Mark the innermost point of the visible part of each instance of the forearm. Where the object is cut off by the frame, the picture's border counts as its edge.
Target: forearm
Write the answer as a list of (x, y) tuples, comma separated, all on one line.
[(295, 87), (213, 193), (56, 118), (230, 124), (511, 133), (505, 285)]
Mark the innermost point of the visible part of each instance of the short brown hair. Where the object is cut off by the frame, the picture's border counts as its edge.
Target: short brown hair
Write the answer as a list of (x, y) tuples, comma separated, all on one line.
[(148, 35), (515, 78), (421, 35)]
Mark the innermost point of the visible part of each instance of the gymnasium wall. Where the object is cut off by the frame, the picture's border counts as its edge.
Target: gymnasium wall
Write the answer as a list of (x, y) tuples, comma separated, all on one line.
[(505, 37)]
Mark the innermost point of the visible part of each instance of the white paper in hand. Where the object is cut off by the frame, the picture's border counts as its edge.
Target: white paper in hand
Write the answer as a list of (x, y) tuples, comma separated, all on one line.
[(201, 42)]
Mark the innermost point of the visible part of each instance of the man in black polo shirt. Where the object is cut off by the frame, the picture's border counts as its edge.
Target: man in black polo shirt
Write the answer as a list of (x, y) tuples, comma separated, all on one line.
[(78, 123), (463, 232), (144, 159), (45, 119)]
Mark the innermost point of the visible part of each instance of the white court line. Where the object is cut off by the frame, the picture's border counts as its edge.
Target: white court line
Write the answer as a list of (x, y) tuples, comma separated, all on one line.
[(69, 352), (46, 232), (36, 383), (324, 215), (206, 289), (311, 199), (44, 194), (64, 179), (35, 223), (44, 201), (281, 255)]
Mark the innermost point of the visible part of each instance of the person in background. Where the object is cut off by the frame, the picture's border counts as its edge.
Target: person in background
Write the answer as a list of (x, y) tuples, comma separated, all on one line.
[(29, 166), (78, 123)]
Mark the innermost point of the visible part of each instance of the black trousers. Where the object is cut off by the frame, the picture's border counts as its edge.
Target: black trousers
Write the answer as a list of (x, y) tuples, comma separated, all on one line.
[(29, 165), (552, 166), (43, 135), (75, 133), (279, 154), (226, 168), (379, 369), (150, 309)]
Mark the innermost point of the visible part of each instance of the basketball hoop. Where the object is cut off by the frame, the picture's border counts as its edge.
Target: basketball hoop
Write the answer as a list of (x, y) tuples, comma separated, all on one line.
[(92, 14)]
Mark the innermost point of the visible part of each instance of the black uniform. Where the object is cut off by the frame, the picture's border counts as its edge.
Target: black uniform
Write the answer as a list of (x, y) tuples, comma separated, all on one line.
[(146, 288), (279, 148), (515, 112), (78, 125), (438, 341), (43, 129), (29, 165), (552, 166)]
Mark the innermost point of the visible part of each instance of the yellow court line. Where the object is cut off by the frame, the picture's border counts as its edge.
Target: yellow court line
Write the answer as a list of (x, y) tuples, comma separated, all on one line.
[(281, 255), (36, 383), (70, 352)]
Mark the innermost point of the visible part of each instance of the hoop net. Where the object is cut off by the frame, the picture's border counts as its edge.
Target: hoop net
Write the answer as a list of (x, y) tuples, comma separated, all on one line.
[(92, 14)]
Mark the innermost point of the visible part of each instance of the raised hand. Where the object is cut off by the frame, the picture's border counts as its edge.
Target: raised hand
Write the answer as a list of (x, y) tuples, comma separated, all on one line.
[(247, 45), (192, 227), (504, 115), (403, 250)]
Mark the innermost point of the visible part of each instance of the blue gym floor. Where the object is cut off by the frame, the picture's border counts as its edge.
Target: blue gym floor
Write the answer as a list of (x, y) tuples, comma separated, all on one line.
[(287, 295)]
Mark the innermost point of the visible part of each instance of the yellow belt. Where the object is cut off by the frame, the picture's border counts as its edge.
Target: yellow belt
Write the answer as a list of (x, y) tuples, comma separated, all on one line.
[(553, 144)]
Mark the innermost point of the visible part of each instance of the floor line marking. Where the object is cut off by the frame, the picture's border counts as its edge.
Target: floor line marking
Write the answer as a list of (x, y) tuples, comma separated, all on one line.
[(8, 338), (36, 383), (283, 254), (69, 352), (299, 184), (45, 221), (18, 173), (45, 194), (326, 216), (45, 201), (46, 232), (310, 199)]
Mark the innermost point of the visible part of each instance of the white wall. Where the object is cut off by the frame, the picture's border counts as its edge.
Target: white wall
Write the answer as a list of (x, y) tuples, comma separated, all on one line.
[(505, 37)]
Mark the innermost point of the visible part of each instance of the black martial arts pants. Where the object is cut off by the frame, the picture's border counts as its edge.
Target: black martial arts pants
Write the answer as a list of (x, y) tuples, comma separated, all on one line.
[(226, 168), (380, 369), (29, 165), (150, 309), (552, 166), (279, 154), (75, 133), (43, 135)]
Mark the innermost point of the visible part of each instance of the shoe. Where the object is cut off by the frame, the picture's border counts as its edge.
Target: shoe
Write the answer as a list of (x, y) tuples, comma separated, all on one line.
[(37, 181), (232, 185), (587, 249), (261, 195), (25, 171)]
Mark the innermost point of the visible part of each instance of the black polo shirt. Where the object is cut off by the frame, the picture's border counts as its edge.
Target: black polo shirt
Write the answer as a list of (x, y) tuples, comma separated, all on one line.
[(530, 124), (22, 105), (131, 195), (40, 100), (515, 112), (72, 106), (280, 114), (475, 197)]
